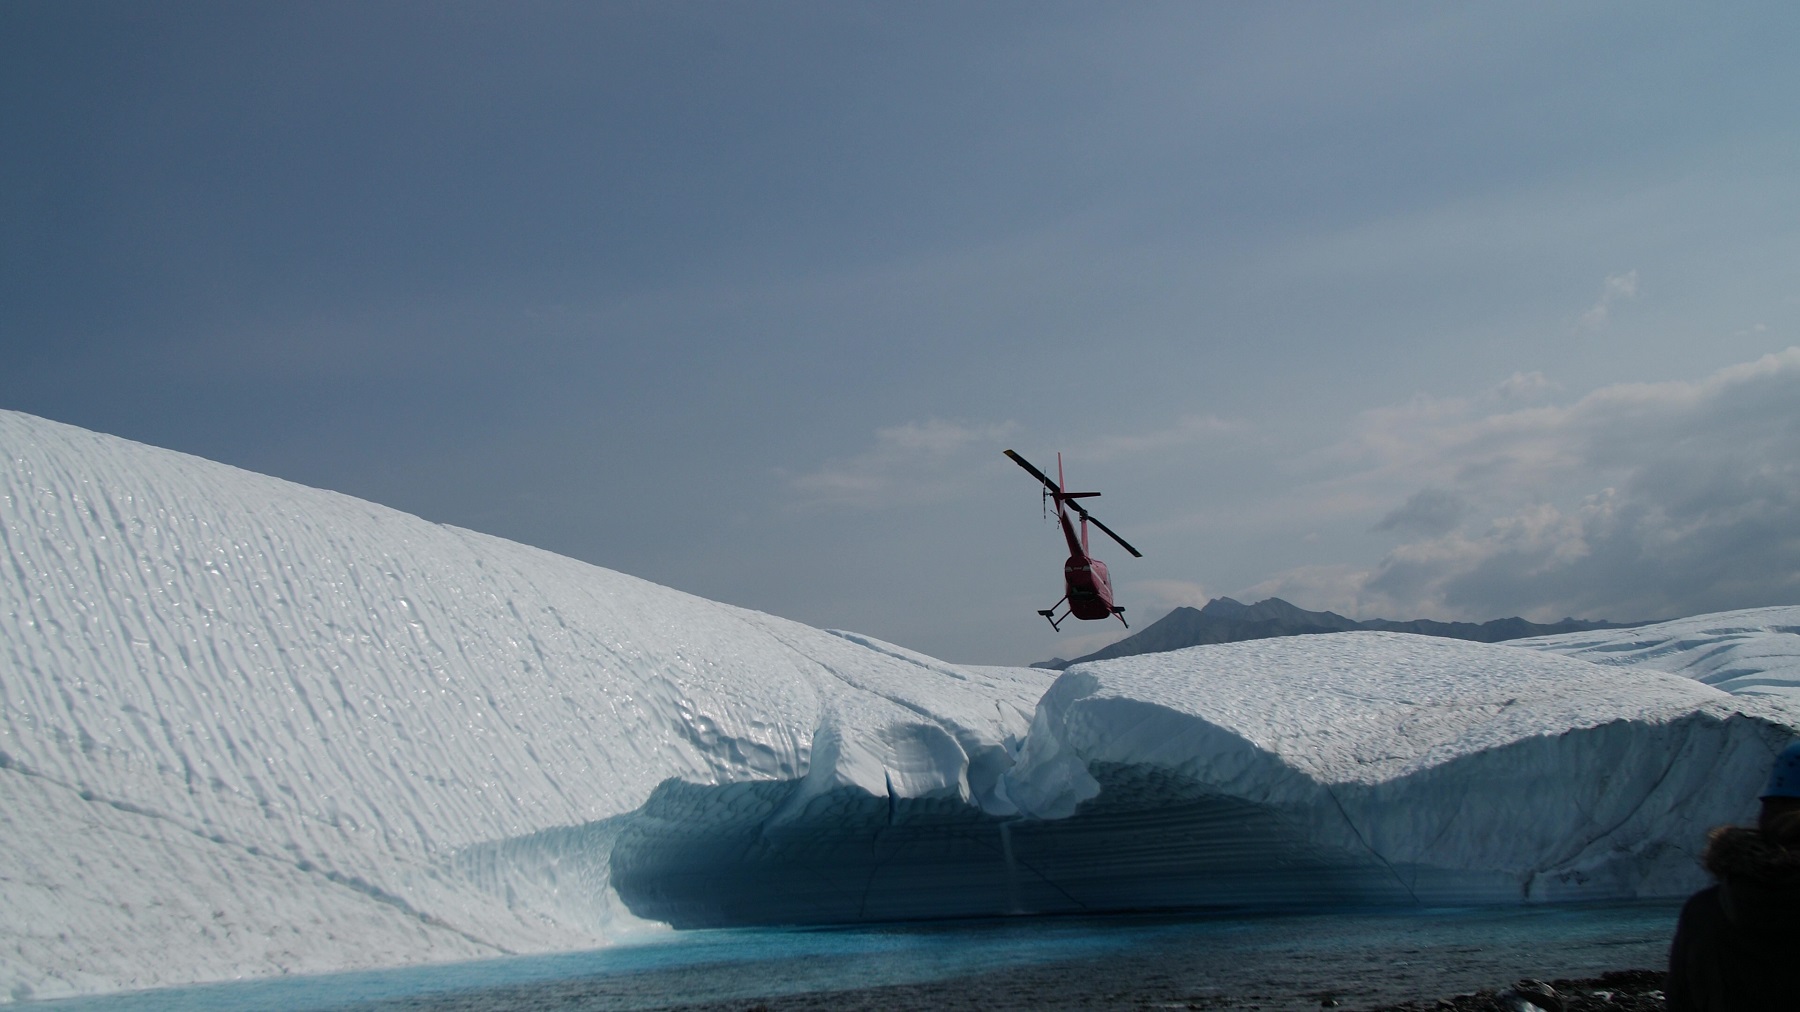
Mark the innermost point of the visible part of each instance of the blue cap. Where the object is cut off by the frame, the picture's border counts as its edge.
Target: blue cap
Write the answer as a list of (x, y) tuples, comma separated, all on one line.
[(1784, 779)]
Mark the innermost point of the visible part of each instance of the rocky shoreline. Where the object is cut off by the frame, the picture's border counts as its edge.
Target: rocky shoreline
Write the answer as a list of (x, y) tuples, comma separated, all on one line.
[(1073, 987), (1615, 991), (1619, 991)]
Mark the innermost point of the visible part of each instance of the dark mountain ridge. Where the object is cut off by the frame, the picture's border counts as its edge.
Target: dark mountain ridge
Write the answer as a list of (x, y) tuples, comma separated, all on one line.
[(1224, 620)]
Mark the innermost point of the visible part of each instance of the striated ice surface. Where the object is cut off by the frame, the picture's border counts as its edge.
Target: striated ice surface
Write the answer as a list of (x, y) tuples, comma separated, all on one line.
[(1754, 652), (248, 727)]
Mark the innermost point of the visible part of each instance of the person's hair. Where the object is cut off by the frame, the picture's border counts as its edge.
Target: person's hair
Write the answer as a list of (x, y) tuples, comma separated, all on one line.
[(1783, 829)]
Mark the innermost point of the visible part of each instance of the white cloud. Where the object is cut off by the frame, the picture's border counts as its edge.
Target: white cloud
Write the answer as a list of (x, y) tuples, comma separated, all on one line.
[(1522, 386), (1155, 596), (1188, 430), (1618, 287), (1430, 511), (919, 461), (1319, 588), (1644, 500), (928, 460)]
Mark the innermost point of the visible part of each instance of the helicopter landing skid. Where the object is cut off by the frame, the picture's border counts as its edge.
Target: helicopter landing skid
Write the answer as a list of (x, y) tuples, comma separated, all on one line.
[(1056, 623)]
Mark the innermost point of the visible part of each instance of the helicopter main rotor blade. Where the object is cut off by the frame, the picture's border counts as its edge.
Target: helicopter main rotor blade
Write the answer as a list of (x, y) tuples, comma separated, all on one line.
[(1039, 475), (1089, 517), (1070, 498)]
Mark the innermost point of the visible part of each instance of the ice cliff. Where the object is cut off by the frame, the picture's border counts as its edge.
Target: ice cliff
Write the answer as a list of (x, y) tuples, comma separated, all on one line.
[(1390, 767), (248, 727)]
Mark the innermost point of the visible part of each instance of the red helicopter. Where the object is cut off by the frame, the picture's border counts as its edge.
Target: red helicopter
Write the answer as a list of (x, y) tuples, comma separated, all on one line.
[(1087, 591)]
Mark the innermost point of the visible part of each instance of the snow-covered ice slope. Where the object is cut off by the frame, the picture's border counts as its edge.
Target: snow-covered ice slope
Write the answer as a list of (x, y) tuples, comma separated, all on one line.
[(1754, 652), (1386, 766), (250, 727)]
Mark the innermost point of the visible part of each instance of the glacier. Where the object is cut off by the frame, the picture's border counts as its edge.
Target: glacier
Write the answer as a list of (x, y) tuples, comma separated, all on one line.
[(1750, 652), (251, 728)]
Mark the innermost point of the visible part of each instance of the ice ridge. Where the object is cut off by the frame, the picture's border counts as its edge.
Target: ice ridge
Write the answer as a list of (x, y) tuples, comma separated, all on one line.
[(1751, 652)]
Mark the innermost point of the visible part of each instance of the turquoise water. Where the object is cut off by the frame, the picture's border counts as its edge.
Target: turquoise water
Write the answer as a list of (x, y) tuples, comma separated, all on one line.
[(1268, 962), (689, 966)]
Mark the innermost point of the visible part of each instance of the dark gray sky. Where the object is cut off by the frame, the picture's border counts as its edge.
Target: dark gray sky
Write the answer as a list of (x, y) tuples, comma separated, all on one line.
[(1409, 310)]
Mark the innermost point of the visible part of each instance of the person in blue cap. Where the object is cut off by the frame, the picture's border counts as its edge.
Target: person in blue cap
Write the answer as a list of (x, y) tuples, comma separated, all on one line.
[(1737, 944), (1783, 793)]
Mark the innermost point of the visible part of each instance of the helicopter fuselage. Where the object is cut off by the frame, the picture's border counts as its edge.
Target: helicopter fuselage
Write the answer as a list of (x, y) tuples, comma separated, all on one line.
[(1088, 587)]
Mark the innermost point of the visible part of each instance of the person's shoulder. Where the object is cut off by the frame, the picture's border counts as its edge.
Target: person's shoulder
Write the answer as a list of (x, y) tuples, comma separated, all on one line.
[(1705, 897), (1705, 905)]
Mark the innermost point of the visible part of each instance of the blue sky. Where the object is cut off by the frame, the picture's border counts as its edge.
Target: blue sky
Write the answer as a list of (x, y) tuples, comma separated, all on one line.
[(1403, 310)]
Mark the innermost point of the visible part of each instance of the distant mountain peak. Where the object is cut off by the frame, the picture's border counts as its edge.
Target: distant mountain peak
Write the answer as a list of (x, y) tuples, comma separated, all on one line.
[(1226, 620), (1219, 607)]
